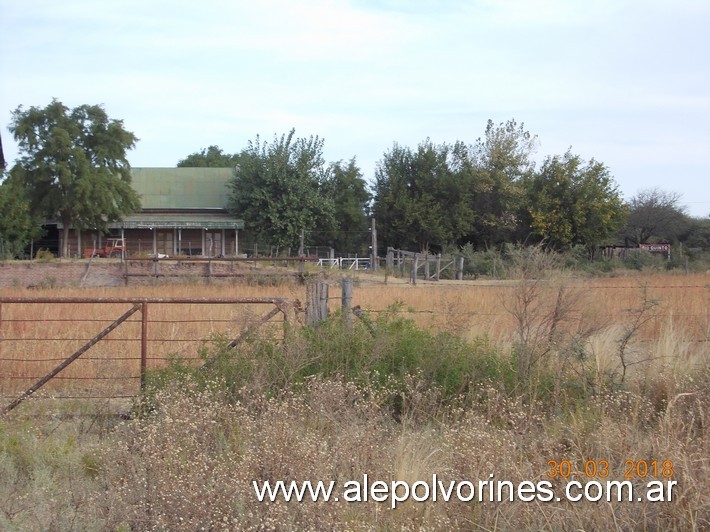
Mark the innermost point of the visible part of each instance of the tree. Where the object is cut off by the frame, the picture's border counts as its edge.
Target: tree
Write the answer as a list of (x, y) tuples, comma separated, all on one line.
[(570, 202), (17, 226), (655, 214), (212, 157), (351, 199), (422, 199), (698, 233), (3, 164), (502, 160), (73, 164), (279, 188)]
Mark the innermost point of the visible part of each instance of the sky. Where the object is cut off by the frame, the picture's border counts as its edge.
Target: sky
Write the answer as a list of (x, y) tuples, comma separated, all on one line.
[(625, 82)]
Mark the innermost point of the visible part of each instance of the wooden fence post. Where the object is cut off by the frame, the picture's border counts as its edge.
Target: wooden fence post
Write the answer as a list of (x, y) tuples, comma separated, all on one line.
[(144, 342), (317, 306), (459, 268), (347, 301), (374, 263), (415, 267), (323, 297)]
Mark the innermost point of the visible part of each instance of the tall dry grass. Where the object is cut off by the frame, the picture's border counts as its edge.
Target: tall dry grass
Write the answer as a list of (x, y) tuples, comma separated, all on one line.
[(618, 370), (190, 464)]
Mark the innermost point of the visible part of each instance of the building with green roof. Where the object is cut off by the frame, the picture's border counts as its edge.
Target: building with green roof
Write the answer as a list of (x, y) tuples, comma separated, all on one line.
[(184, 211)]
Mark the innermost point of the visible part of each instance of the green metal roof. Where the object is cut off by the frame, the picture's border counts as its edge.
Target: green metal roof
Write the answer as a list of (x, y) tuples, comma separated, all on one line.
[(181, 220), (182, 188)]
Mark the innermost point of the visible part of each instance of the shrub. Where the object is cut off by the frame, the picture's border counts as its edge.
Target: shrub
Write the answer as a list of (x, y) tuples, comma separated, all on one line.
[(44, 255), (397, 351)]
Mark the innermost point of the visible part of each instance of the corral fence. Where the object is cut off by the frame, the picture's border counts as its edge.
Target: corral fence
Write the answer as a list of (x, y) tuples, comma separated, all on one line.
[(346, 263), (410, 263), (208, 268), (45, 341)]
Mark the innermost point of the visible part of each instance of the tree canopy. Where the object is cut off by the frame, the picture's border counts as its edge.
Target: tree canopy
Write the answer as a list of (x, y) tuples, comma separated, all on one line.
[(279, 188), (3, 164), (212, 157), (422, 198), (450, 194), (502, 159), (570, 202), (17, 225), (73, 165), (485, 194), (348, 190), (655, 214)]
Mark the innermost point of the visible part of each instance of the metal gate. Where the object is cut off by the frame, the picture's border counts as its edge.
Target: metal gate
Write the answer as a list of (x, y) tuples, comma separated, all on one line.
[(44, 340)]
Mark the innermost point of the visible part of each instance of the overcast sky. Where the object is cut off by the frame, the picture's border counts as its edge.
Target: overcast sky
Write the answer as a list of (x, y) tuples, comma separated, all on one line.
[(624, 82)]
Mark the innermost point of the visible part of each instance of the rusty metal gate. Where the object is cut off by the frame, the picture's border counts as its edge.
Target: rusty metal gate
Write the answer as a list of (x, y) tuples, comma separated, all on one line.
[(44, 340)]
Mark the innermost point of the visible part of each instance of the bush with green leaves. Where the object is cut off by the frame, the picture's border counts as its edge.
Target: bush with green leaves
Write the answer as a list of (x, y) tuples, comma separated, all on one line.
[(389, 353)]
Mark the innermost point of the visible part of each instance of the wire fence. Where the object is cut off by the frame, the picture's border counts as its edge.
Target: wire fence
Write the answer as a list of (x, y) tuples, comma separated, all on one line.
[(38, 334), (77, 347)]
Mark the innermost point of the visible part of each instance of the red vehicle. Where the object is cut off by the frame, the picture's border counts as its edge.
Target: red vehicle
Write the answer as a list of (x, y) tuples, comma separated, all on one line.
[(114, 247)]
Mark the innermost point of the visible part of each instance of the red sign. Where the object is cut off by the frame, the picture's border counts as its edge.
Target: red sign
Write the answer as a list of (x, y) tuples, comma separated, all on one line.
[(657, 248)]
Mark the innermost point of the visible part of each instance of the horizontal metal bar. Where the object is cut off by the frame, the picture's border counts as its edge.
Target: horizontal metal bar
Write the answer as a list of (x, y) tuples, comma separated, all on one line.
[(85, 339), (53, 397), (223, 259), (79, 320), (65, 378), (37, 360), (168, 300)]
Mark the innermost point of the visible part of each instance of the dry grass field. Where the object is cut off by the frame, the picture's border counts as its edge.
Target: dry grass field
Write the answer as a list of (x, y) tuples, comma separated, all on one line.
[(638, 345)]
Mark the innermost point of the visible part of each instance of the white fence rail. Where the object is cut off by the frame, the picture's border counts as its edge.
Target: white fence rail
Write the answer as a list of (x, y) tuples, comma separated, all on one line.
[(346, 263)]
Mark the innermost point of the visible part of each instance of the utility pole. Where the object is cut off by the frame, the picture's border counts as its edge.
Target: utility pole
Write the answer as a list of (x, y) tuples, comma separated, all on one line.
[(300, 248), (373, 257)]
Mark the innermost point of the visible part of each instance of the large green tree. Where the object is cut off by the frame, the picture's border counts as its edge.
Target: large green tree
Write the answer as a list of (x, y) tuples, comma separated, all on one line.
[(17, 226), (3, 164), (698, 233), (351, 199), (572, 202), (212, 157), (279, 188), (655, 214), (502, 159), (423, 197), (74, 166), (454, 194)]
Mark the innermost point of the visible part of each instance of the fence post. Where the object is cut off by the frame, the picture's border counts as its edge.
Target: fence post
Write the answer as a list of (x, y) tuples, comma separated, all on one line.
[(144, 342), (347, 301), (459, 268), (317, 306), (374, 263), (323, 297), (415, 267), (438, 265), (426, 267)]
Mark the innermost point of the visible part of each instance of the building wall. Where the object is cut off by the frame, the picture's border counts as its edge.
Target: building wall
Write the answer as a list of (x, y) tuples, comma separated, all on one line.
[(171, 242)]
